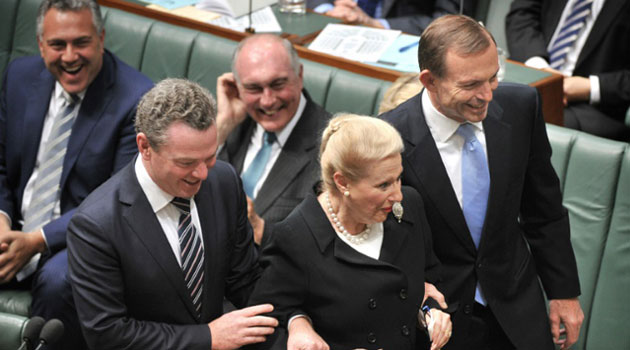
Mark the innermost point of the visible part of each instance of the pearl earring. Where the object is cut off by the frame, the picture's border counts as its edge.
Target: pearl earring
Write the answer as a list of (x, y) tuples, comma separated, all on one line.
[(346, 193)]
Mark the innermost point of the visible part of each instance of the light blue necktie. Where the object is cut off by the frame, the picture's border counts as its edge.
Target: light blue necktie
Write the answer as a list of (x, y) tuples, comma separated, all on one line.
[(475, 187), (46, 189), (256, 168), (569, 33)]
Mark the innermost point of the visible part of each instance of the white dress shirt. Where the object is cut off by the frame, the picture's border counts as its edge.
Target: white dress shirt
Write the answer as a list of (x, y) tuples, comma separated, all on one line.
[(448, 142), (256, 143), (167, 214)]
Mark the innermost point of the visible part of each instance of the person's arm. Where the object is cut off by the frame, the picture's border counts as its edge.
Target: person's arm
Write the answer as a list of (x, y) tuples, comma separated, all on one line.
[(231, 110), (523, 29)]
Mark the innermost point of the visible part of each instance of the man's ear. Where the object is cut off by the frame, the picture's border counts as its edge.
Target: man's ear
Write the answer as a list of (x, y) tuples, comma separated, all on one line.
[(144, 147), (428, 80)]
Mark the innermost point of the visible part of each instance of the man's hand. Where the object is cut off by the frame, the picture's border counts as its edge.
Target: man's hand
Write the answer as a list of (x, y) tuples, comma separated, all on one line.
[(258, 223), (576, 89), (242, 327), (302, 336), (569, 313), (16, 249), (431, 291), (231, 110), (350, 12)]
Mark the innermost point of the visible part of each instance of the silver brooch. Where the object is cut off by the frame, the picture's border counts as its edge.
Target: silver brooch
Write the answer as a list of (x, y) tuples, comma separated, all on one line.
[(398, 211)]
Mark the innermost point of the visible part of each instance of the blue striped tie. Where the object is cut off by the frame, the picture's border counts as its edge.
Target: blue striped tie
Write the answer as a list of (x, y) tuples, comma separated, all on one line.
[(475, 187), (46, 190), (569, 33), (254, 171), (191, 252)]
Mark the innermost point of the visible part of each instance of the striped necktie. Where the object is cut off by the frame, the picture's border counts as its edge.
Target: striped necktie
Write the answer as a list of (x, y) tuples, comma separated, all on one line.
[(255, 170), (569, 33), (191, 252), (475, 187)]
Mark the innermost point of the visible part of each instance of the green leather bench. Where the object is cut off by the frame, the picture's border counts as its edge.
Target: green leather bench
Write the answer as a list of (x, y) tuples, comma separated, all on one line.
[(594, 172)]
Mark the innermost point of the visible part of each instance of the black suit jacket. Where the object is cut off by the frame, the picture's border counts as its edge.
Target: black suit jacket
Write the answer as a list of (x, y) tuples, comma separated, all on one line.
[(129, 289), (524, 213), (295, 173), (101, 143), (530, 24), (354, 301), (412, 16)]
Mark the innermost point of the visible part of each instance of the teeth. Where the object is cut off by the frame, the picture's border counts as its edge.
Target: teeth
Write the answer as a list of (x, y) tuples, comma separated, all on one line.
[(72, 70), (269, 112)]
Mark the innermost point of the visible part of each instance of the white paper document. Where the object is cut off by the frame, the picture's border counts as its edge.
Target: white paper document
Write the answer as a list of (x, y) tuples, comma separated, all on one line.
[(264, 21), (354, 42), (232, 8)]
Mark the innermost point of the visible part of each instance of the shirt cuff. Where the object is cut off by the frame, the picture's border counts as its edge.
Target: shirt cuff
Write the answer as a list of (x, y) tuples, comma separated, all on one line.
[(537, 62), (596, 96), (44, 237), (2, 212), (298, 316), (323, 8), (384, 23)]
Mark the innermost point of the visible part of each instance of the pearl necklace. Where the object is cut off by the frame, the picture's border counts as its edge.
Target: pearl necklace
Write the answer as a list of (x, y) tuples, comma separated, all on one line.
[(355, 239)]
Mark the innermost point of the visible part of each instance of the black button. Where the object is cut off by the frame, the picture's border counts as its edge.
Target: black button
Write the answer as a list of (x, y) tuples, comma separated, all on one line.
[(405, 330), (371, 338), (372, 304), (479, 265), (403, 294), (467, 309)]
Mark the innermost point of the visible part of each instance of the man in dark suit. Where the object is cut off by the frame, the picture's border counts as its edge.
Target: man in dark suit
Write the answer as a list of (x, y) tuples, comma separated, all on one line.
[(149, 272), (99, 142), (264, 95), (410, 16), (498, 223), (597, 65)]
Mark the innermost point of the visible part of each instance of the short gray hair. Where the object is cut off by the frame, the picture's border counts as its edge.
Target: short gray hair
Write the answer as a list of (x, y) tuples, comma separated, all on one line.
[(460, 33), (69, 5), (174, 100), (294, 60)]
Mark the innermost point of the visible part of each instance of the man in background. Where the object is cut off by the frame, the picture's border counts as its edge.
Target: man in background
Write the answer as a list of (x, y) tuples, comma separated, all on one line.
[(66, 125)]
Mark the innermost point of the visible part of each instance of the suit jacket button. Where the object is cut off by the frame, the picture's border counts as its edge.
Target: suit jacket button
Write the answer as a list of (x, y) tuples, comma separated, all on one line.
[(371, 338), (467, 309), (372, 304), (405, 330), (403, 294)]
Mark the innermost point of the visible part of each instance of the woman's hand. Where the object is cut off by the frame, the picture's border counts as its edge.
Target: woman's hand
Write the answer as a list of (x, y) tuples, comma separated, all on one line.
[(302, 336)]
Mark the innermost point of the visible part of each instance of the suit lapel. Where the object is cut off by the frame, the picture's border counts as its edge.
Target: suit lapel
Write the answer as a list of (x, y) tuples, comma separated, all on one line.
[(239, 146), (207, 220), (92, 108), (394, 239), (36, 109), (609, 11), (427, 166), (499, 149), (291, 160), (142, 221)]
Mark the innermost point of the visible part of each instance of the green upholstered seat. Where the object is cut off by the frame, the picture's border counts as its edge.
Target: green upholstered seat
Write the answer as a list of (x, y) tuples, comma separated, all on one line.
[(126, 35), (158, 63), (211, 56)]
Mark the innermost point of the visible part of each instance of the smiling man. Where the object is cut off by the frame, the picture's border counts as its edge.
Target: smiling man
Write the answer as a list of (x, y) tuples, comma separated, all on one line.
[(66, 125), (269, 128), (478, 153)]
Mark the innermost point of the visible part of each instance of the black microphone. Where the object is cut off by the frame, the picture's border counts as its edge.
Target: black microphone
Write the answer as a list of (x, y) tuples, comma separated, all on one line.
[(52, 331), (31, 333)]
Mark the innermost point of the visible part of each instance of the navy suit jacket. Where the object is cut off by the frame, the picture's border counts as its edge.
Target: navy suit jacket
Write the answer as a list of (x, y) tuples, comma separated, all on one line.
[(526, 231), (530, 24), (101, 143), (128, 288)]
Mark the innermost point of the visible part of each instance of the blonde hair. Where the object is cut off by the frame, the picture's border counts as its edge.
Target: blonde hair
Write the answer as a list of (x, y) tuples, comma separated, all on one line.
[(350, 142), (405, 87)]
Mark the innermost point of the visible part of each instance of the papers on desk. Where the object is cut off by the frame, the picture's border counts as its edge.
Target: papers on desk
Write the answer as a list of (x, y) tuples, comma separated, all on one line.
[(354, 42), (233, 8), (172, 4), (380, 47), (190, 12), (264, 21)]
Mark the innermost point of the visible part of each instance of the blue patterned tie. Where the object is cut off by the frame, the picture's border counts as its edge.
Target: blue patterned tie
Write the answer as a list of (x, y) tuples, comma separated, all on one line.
[(46, 189), (191, 252), (475, 187), (368, 6), (569, 33), (256, 168)]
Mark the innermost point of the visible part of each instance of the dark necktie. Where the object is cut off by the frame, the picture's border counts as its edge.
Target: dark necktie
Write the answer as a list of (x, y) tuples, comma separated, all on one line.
[(191, 252)]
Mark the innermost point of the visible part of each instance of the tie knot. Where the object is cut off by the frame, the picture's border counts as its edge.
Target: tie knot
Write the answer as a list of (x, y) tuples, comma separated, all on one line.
[(467, 131), (269, 137), (71, 99), (182, 204)]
